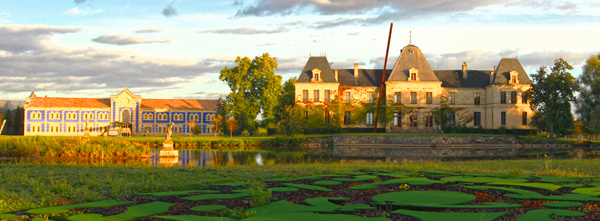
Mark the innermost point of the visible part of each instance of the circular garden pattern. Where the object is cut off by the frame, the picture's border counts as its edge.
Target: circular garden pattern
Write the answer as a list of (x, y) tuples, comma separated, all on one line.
[(375, 195)]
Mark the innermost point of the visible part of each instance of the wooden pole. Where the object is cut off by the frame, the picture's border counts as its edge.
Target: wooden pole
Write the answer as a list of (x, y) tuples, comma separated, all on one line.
[(387, 50)]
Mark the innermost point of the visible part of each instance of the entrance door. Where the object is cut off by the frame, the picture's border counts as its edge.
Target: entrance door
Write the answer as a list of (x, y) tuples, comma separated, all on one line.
[(126, 116)]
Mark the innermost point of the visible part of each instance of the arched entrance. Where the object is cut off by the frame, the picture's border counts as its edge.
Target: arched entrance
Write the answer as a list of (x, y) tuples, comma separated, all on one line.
[(126, 116)]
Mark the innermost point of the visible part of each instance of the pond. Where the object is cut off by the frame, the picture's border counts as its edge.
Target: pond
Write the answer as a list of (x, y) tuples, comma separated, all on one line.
[(204, 158), (215, 158)]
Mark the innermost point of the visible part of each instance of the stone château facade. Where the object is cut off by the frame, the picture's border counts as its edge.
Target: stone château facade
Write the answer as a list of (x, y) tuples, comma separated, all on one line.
[(54, 116), (491, 98)]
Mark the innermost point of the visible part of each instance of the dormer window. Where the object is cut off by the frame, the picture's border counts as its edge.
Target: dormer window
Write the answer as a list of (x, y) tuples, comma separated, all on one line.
[(413, 74), (316, 75), (513, 77)]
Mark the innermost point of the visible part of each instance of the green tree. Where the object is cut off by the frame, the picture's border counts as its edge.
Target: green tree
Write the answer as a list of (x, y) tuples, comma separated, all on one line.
[(292, 120), (288, 97), (550, 96), (588, 101), (18, 120), (9, 121), (217, 124), (255, 88)]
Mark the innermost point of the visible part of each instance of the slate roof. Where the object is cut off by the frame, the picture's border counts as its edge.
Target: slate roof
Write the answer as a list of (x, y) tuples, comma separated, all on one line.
[(411, 57), (366, 77), (69, 102), (180, 103), (454, 78), (322, 64), (502, 73)]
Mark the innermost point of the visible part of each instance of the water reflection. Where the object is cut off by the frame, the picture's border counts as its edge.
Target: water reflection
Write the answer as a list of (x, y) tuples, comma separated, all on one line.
[(211, 158)]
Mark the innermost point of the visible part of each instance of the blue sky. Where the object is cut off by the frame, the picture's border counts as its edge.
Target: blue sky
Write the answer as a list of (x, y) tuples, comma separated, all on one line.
[(176, 48)]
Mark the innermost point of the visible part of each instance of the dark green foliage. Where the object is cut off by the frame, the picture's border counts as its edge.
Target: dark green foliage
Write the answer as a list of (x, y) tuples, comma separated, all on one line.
[(544, 214), (259, 194), (411, 198), (551, 95), (561, 204), (308, 187), (237, 213), (435, 216), (588, 100), (205, 208), (133, 212)]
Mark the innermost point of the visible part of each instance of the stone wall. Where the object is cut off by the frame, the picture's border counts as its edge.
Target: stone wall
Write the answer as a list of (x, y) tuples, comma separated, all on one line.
[(437, 146)]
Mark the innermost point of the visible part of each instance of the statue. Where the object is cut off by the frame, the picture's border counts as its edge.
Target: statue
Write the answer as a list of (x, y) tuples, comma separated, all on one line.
[(86, 129), (86, 125), (168, 150), (170, 131)]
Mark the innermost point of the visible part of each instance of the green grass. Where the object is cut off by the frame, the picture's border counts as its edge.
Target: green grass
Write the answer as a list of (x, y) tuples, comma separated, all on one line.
[(27, 186)]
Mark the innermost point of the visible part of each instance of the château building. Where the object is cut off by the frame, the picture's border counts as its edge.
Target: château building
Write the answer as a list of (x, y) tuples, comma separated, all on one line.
[(124, 113), (492, 99)]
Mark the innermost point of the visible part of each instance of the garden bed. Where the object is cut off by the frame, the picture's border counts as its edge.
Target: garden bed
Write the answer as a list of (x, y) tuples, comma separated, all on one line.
[(375, 195)]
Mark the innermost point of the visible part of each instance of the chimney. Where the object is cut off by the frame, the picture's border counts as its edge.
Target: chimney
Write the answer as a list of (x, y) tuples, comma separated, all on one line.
[(355, 70), (464, 69), (492, 74), (336, 75)]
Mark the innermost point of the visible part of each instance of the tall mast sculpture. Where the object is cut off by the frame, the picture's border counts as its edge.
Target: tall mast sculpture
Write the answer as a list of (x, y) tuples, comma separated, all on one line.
[(387, 50)]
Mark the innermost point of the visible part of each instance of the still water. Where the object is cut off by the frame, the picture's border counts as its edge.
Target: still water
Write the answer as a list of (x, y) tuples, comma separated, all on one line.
[(201, 158)]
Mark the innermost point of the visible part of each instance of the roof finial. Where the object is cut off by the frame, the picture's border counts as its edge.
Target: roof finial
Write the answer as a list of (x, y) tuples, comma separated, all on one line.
[(410, 33)]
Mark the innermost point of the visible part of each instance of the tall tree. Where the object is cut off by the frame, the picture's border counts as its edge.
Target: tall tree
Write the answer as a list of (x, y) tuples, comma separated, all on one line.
[(551, 95), (255, 88), (231, 125), (18, 120), (588, 101), (288, 97), (9, 121)]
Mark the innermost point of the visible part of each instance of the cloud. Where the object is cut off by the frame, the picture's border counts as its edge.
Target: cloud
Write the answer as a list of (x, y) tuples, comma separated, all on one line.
[(150, 30), (77, 11), (122, 39), (5, 14), (245, 31), (21, 38), (169, 11), (337, 22), (79, 1), (388, 10), (29, 61)]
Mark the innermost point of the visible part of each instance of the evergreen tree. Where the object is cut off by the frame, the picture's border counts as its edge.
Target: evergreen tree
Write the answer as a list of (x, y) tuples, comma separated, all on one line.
[(9, 122), (18, 120)]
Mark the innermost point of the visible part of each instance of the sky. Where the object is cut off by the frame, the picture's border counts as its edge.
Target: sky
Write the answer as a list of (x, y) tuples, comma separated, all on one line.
[(176, 48)]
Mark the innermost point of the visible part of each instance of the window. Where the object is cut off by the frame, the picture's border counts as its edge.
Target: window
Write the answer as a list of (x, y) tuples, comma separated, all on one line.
[(398, 97), (477, 99), (369, 118), (451, 119), (397, 119), (413, 76), (513, 97), (428, 121), (327, 95), (413, 121), (514, 77), (316, 77), (413, 97), (348, 97), (524, 119), (429, 97), (347, 118), (503, 97), (524, 98), (477, 119), (452, 97), (370, 97), (305, 95), (503, 118), (327, 117), (316, 95)]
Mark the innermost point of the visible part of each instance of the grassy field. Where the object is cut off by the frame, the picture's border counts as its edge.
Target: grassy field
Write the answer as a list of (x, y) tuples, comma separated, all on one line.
[(26, 186)]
